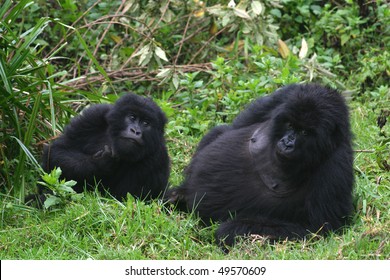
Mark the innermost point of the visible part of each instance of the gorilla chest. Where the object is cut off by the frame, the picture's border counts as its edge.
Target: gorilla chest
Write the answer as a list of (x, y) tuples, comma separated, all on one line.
[(126, 176)]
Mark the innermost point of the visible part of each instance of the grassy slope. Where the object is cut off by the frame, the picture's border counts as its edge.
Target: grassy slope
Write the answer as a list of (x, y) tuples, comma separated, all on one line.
[(100, 228)]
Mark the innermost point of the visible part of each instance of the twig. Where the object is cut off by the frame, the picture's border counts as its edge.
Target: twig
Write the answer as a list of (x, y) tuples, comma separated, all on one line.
[(151, 35), (73, 24), (139, 74), (364, 151), (208, 42), (104, 34), (182, 42), (162, 16)]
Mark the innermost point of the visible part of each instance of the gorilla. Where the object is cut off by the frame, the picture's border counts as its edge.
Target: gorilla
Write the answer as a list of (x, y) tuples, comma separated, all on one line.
[(120, 146), (282, 169)]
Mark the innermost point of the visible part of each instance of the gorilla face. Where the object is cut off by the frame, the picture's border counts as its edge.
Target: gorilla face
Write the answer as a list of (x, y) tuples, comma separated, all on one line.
[(285, 142), (136, 129), (288, 145), (292, 143), (133, 131), (303, 134), (130, 139)]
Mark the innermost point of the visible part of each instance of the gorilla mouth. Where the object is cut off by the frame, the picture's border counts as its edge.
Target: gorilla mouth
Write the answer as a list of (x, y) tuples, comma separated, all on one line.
[(284, 152), (130, 140)]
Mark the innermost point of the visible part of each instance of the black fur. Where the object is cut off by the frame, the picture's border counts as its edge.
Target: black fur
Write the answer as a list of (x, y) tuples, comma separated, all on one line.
[(120, 146), (283, 169)]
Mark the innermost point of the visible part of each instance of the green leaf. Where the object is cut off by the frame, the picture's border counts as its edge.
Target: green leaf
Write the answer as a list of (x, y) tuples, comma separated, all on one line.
[(257, 7), (77, 196), (4, 7), (145, 53), (344, 38), (145, 58), (164, 73), (160, 53), (70, 183), (66, 189), (56, 173), (23, 51), (175, 81), (198, 84), (216, 10), (142, 51), (241, 13), (51, 200), (276, 13), (304, 49), (225, 20), (27, 152)]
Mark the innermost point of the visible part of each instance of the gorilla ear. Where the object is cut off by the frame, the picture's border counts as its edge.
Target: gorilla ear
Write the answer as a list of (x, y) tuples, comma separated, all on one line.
[(163, 117), (339, 132), (162, 121)]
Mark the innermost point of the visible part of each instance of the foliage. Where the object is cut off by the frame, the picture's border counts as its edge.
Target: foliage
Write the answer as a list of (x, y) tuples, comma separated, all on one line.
[(32, 100), (351, 31), (61, 190), (136, 40), (24, 85)]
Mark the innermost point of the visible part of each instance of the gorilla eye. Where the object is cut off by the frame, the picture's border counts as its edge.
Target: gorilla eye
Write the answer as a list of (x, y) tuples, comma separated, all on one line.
[(132, 117), (289, 126), (145, 123), (304, 132)]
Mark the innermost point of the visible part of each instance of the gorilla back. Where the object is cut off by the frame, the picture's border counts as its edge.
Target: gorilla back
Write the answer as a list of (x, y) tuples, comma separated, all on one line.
[(283, 169), (120, 146)]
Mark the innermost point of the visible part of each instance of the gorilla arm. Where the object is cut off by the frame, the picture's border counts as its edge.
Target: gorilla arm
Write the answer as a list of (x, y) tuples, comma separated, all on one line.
[(330, 203), (84, 149), (267, 227), (325, 206), (212, 135), (260, 110)]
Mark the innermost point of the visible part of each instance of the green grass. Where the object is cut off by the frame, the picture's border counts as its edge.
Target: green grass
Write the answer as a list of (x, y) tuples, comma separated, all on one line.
[(102, 228)]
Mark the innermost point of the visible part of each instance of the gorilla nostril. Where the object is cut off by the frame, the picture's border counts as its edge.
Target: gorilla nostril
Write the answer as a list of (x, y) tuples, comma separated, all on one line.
[(136, 132)]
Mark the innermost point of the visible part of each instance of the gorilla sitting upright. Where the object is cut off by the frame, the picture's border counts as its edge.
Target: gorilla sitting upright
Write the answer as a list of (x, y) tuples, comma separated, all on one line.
[(121, 147)]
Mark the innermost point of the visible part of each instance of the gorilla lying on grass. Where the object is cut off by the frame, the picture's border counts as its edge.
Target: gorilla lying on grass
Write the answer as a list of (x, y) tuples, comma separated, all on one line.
[(283, 169)]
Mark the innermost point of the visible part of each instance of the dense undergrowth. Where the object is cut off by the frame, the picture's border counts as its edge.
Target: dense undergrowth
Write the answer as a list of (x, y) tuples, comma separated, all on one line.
[(202, 62)]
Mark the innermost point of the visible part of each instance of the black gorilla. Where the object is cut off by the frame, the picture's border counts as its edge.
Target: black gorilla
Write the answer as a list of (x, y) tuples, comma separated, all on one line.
[(283, 169), (120, 146)]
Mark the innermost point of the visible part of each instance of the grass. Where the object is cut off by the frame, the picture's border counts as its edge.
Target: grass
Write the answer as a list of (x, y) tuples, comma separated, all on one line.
[(102, 228)]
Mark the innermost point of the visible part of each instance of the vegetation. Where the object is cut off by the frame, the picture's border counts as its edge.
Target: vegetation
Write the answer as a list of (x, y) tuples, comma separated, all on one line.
[(202, 62)]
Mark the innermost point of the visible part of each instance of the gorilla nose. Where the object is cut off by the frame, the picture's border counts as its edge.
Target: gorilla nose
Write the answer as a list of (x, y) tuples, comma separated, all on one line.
[(135, 132)]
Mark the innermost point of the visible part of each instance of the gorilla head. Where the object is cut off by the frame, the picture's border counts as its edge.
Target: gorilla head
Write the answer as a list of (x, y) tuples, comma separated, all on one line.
[(306, 125), (136, 127)]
